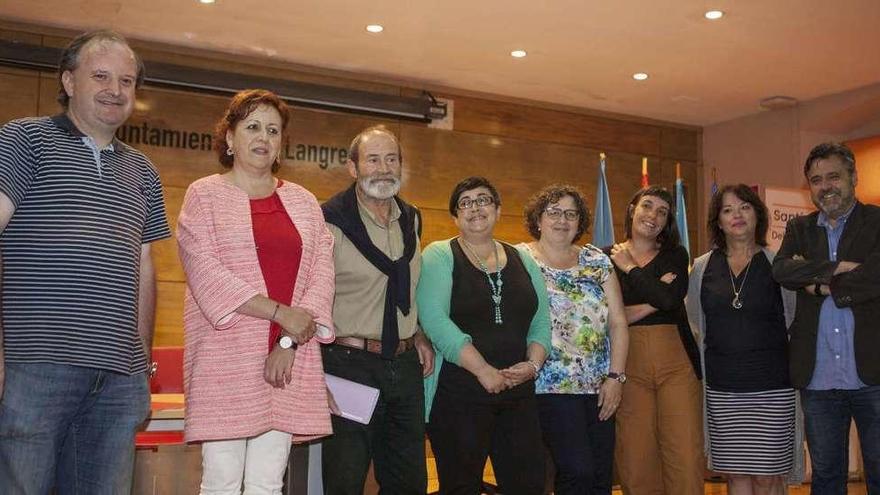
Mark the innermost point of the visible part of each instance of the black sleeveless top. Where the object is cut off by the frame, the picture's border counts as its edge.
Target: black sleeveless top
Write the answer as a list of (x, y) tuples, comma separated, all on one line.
[(472, 309)]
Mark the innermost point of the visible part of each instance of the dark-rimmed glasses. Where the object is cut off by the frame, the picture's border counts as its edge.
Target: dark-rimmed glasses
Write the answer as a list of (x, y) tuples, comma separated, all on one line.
[(480, 201), (557, 213)]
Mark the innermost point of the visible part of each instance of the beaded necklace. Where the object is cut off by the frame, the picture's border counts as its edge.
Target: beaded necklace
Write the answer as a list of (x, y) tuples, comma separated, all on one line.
[(494, 285)]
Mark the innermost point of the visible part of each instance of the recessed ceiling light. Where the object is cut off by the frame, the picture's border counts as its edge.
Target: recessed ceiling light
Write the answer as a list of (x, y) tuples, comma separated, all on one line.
[(518, 53), (206, 1), (375, 28), (640, 76), (714, 14)]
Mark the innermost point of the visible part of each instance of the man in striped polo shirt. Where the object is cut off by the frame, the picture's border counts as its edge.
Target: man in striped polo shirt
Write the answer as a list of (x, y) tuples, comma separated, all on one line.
[(78, 211)]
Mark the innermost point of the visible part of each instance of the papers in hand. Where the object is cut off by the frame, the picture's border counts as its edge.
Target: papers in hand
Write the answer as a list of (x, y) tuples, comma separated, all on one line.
[(355, 401)]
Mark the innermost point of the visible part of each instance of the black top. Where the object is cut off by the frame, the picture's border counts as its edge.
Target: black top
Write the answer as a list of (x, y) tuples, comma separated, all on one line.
[(643, 285), (472, 309), (746, 349)]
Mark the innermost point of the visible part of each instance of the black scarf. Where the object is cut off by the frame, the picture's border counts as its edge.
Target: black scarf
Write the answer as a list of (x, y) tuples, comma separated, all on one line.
[(342, 211)]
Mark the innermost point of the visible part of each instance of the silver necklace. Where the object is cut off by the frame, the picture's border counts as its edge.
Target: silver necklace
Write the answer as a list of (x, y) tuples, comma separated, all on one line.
[(737, 302), (494, 285)]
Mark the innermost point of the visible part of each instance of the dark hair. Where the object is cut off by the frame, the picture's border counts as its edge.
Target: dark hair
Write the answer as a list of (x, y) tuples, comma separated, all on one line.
[(241, 105), (827, 150), (70, 58), (354, 149), (668, 237), (744, 193), (468, 184), (553, 194)]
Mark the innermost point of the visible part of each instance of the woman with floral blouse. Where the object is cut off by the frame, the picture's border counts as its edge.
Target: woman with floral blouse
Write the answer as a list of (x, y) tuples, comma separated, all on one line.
[(580, 384)]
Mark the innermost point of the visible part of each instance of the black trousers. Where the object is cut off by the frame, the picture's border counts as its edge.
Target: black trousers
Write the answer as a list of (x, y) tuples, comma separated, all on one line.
[(582, 447), (395, 438), (464, 434)]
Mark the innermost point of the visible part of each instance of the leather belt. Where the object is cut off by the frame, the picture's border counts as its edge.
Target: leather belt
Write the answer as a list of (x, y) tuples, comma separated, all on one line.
[(375, 346)]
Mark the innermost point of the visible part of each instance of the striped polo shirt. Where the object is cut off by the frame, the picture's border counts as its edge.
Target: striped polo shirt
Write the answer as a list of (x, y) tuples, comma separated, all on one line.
[(71, 251)]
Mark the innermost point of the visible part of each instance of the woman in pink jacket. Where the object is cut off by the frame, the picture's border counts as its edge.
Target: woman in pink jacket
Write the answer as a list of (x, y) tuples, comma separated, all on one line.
[(259, 269)]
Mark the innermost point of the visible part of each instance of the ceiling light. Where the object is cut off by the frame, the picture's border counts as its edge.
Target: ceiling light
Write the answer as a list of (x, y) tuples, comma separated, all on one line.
[(640, 76), (518, 53), (375, 28), (714, 14), (206, 1)]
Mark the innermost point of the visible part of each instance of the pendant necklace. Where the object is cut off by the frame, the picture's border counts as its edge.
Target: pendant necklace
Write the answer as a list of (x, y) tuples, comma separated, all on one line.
[(494, 285), (737, 301)]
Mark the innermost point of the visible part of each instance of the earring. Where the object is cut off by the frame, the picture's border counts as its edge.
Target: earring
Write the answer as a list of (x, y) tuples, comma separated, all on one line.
[(229, 151)]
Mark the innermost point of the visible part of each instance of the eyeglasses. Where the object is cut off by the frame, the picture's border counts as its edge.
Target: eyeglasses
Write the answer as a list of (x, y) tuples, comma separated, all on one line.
[(480, 201), (557, 213)]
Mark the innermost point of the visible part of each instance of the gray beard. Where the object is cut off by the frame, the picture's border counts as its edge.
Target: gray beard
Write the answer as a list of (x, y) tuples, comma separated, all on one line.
[(379, 189)]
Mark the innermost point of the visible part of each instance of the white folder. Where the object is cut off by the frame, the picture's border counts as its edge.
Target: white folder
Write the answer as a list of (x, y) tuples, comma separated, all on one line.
[(355, 400)]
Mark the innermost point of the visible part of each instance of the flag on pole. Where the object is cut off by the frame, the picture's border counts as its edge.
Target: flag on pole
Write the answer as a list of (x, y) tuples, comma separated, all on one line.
[(681, 210), (603, 226), (714, 182), (644, 171)]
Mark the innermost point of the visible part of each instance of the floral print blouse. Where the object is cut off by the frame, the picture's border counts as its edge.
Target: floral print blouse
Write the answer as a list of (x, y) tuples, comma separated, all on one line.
[(581, 350)]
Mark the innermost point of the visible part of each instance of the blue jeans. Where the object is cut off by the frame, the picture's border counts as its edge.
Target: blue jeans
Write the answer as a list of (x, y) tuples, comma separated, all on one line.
[(827, 415), (582, 447), (69, 427)]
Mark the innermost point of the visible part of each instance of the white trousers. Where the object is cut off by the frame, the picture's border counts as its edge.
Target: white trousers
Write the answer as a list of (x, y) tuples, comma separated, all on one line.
[(258, 463)]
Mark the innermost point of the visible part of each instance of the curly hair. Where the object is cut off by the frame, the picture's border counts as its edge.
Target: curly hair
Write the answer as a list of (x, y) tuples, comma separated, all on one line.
[(744, 193), (241, 105), (553, 194)]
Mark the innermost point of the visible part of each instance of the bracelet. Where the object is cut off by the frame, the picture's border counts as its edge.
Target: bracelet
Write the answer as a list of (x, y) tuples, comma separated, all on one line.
[(274, 313), (534, 365)]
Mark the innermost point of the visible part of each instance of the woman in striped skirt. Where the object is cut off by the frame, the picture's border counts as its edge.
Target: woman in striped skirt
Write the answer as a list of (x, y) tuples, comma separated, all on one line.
[(739, 313)]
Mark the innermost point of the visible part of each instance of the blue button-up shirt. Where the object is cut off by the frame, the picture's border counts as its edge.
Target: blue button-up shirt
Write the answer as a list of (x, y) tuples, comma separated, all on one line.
[(835, 354)]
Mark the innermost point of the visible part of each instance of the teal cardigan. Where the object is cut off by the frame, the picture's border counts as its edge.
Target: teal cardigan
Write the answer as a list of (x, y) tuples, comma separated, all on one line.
[(433, 296)]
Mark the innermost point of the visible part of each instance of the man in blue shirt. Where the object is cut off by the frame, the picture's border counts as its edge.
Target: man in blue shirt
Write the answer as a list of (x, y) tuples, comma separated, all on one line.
[(832, 258)]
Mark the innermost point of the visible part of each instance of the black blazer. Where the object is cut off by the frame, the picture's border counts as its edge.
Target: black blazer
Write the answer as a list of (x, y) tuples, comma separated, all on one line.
[(858, 289)]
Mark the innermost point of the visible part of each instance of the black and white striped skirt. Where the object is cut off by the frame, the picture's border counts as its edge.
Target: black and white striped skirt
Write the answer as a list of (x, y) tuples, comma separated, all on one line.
[(751, 432)]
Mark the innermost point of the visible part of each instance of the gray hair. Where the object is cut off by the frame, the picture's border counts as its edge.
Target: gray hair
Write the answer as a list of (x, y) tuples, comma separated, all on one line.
[(354, 147), (824, 151), (70, 57)]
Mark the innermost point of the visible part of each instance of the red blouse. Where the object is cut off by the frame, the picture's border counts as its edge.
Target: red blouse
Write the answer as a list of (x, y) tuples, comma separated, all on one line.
[(279, 250)]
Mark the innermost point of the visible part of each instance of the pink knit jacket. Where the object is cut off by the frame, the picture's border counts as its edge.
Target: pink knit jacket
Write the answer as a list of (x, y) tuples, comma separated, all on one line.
[(224, 351)]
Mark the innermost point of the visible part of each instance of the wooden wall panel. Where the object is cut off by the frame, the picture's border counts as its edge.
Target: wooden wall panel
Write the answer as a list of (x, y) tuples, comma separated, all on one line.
[(169, 313), (19, 93), (680, 144), (540, 124), (165, 256), (521, 148)]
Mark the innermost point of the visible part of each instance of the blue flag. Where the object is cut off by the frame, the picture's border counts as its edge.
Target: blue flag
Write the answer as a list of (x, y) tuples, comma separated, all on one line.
[(681, 215), (603, 226), (714, 183)]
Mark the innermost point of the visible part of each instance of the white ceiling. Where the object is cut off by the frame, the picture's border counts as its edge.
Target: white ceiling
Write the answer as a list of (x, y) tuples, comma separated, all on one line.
[(581, 52)]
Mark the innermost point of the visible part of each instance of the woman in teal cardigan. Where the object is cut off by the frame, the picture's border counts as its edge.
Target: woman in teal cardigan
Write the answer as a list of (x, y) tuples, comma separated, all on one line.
[(484, 305)]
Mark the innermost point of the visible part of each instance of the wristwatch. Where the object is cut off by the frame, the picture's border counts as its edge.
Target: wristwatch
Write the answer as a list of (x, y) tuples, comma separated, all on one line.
[(621, 377), (286, 342)]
